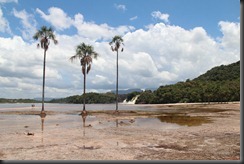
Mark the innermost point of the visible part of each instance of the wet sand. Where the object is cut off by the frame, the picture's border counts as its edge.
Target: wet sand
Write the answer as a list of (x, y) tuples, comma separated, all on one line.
[(163, 132)]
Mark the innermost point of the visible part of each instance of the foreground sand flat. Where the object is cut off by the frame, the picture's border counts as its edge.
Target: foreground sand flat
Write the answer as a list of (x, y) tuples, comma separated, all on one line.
[(163, 132)]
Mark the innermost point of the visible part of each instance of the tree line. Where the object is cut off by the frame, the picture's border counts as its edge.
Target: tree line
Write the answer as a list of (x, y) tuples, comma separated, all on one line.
[(220, 84)]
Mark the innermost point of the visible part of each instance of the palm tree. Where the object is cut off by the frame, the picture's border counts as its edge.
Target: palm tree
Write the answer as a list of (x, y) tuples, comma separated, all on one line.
[(44, 35), (85, 53), (116, 42)]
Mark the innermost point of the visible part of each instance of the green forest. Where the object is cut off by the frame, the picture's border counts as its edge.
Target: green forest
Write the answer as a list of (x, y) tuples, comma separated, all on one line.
[(3, 100), (220, 84)]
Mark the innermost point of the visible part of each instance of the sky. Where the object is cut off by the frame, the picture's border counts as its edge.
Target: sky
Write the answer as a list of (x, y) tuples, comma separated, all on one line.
[(165, 41)]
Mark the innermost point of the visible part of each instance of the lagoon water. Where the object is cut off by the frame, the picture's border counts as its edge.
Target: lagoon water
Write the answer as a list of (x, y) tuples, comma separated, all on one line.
[(69, 107), (13, 122)]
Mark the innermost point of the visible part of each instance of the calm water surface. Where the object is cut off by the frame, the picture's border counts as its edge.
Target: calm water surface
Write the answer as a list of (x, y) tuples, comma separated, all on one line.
[(13, 121), (69, 107)]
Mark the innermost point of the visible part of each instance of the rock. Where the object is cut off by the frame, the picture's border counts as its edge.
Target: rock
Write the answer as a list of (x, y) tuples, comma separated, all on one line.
[(30, 134)]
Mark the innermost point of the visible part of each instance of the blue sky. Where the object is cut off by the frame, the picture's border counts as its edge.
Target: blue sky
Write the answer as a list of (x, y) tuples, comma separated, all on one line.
[(185, 13), (166, 41)]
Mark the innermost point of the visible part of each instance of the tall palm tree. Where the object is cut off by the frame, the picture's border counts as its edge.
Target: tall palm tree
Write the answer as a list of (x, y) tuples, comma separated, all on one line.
[(44, 35), (85, 53), (116, 43)]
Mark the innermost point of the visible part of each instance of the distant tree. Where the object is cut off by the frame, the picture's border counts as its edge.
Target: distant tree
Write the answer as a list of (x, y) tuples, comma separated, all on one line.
[(84, 53), (116, 43), (44, 35)]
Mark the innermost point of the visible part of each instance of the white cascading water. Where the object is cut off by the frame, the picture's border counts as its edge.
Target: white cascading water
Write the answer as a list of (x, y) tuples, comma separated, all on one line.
[(132, 101)]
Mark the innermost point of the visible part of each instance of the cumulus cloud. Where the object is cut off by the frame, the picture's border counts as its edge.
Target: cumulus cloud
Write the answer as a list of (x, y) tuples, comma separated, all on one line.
[(120, 7), (4, 24), (86, 29), (231, 36), (94, 31), (160, 16), (28, 22), (159, 55), (57, 17), (21, 65), (182, 53)]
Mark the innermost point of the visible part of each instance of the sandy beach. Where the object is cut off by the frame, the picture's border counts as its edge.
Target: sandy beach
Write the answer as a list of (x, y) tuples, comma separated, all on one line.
[(168, 132)]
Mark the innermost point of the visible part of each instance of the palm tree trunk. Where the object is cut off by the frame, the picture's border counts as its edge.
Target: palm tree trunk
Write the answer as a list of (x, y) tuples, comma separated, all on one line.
[(117, 82), (84, 91), (43, 80)]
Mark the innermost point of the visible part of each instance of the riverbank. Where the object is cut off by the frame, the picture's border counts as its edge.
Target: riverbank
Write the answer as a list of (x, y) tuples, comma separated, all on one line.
[(162, 132)]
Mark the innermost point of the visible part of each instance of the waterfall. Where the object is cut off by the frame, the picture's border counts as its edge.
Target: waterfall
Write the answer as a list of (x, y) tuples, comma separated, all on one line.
[(132, 101)]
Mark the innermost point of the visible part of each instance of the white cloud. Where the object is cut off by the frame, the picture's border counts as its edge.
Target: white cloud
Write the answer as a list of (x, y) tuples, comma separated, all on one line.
[(57, 17), (231, 36), (21, 66), (120, 7), (182, 53), (133, 18), (28, 23), (4, 24), (8, 1), (158, 55), (160, 16), (86, 29)]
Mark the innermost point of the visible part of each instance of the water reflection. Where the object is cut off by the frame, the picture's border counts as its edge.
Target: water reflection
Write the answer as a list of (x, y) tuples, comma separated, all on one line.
[(184, 120), (84, 123), (117, 122), (84, 115), (42, 123)]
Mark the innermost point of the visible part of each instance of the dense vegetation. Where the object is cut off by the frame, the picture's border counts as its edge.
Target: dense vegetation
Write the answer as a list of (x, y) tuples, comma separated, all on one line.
[(3, 100), (220, 84), (91, 98)]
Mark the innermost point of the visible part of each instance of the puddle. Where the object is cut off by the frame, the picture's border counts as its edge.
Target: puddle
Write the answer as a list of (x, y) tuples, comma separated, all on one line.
[(152, 123), (207, 110), (170, 146), (184, 120), (169, 121)]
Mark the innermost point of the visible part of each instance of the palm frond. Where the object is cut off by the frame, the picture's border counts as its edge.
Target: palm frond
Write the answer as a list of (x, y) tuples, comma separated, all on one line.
[(95, 55), (55, 41), (88, 68), (72, 58), (83, 70)]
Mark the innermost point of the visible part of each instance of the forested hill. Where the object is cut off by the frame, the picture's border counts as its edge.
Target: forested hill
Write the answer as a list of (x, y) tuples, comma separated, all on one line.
[(222, 73), (220, 84)]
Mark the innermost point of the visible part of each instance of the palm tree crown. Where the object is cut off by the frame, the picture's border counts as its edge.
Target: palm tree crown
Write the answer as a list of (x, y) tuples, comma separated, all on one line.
[(44, 34), (116, 41), (85, 53)]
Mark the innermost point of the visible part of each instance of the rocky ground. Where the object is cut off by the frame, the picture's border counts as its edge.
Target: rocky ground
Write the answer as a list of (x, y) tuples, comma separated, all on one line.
[(168, 132)]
